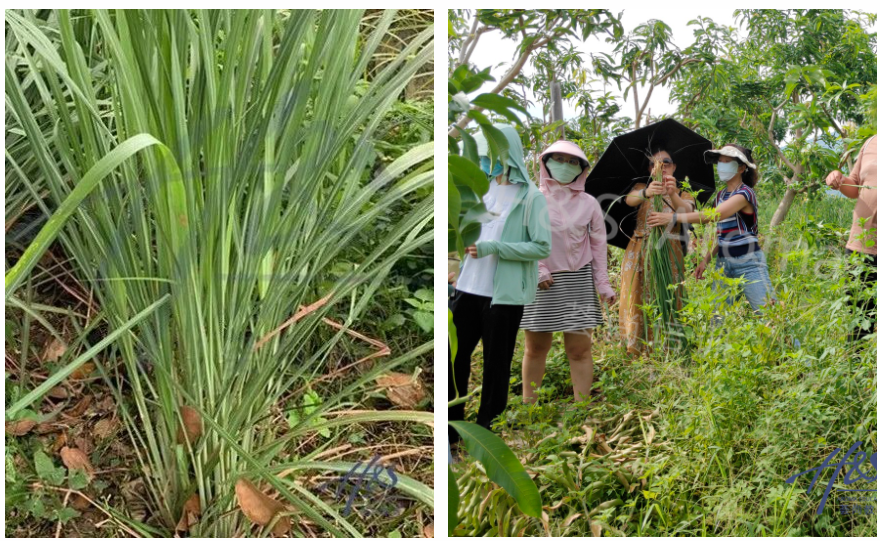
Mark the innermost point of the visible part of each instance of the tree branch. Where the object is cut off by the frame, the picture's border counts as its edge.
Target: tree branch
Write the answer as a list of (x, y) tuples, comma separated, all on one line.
[(773, 140), (502, 84)]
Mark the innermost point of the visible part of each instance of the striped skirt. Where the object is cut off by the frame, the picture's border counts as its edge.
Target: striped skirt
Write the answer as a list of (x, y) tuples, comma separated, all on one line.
[(571, 304)]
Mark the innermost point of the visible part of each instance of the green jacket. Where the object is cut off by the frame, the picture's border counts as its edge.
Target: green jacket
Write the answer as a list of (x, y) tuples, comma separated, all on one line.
[(525, 238)]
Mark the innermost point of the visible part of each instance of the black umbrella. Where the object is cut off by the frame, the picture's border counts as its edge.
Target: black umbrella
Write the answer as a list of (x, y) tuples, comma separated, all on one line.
[(625, 163)]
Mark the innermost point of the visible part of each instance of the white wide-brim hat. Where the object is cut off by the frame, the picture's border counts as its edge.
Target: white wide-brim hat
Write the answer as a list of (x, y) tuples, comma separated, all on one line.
[(711, 156)]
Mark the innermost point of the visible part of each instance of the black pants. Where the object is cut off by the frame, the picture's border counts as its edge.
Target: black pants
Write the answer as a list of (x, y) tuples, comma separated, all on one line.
[(497, 326), (866, 300)]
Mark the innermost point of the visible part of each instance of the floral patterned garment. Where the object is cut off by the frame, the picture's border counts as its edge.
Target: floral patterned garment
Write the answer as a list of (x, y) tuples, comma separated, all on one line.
[(633, 331)]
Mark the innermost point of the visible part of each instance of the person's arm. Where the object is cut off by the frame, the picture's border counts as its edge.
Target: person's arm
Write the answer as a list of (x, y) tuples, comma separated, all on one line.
[(848, 186), (599, 251), (678, 203), (725, 210), (532, 250), (638, 195), (545, 280)]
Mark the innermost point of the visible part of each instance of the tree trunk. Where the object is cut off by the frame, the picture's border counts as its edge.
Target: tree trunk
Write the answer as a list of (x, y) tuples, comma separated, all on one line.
[(782, 209)]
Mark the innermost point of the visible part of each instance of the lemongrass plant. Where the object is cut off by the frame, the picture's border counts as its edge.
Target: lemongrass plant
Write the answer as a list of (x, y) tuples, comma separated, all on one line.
[(661, 267), (264, 122)]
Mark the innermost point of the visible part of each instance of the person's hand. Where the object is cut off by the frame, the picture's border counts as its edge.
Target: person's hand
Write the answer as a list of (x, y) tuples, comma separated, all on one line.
[(701, 268), (451, 278), (655, 188), (670, 185), (546, 283), (657, 219), (609, 298), (472, 250), (833, 179)]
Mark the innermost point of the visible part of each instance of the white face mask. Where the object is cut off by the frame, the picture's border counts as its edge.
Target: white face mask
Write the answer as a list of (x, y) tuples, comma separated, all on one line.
[(727, 170)]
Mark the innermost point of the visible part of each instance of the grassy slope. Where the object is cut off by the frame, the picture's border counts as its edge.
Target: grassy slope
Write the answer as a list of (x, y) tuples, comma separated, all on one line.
[(738, 413)]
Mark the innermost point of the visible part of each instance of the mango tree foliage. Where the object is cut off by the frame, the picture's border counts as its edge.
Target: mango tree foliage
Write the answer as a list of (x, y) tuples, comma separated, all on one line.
[(797, 88), (648, 58), (553, 30)]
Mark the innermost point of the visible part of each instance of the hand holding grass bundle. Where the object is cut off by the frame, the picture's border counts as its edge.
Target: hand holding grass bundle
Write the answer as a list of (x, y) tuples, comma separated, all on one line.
[(659, 256)]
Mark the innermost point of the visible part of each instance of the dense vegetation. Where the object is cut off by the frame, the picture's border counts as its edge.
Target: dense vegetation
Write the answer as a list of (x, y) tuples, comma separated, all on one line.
[(696, 441), (234, 313), (734, 415)]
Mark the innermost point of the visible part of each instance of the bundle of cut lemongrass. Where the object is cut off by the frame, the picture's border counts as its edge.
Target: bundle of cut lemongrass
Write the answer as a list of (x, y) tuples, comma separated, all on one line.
[(661, 289)]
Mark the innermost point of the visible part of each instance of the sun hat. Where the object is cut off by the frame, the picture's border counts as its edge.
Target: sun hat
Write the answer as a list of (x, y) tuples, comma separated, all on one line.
[(711, 156)]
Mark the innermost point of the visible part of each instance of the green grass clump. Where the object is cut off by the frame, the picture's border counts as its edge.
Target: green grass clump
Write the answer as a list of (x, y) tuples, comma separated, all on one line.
[(263, 175)]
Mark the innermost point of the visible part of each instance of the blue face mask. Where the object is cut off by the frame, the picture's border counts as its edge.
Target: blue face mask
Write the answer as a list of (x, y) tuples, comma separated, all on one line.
[(484, 165)]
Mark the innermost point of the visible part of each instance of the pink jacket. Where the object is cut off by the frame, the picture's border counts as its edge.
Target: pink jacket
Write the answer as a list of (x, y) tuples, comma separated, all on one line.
[(576, 222)]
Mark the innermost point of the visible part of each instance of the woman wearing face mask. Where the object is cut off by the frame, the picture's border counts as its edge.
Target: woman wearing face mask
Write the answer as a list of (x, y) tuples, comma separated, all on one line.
[(498, 277), (632, 283), (568, 280), (739, 254)]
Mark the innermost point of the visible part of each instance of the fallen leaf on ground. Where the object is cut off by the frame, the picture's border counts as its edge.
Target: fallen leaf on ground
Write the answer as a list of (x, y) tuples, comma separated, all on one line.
[(192, 423), (83, 371), (79, 502), (20, 428), (402, 389), (45, 428), (595, 529), (104, 428), (54, 350), (84, 444), (429, 530), (260, 508), (60, 442), (58, 392), (192, 510), (75, 459), (80, 407)]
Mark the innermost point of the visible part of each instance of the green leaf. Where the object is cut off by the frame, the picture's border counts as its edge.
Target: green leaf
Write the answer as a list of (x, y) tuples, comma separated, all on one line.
[(77, 479), (426, 295), (396, 320), (501, 105), (454, 211), (425, 320), (64, 514), (495, 139), (85, 186), (453, 338), (46, 469), (470, 147), (466, 172), (454, 498), (501, 465)]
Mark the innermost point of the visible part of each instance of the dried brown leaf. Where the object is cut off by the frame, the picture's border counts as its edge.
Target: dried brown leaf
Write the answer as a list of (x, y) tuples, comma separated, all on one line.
[(80, 408), (192, 510), (75, 459), (402, 389), (19, 428), (595, 528), (83, 371), (571, 518), (54, 350), (192, 424), (45, 428), (104, 428), (60, 441), (428, 531), (260, 508), (84, 444), (58, 392), (79, 502)]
